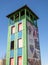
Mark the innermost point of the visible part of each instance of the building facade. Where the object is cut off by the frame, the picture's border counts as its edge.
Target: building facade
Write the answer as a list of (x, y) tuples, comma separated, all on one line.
[(23, 38), (2, 61)]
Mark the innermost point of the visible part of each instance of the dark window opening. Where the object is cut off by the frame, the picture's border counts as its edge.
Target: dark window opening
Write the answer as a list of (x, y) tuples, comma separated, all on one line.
[(17, 16), (22, 13), (12, 18), (34, 18), (31, 16), (27, 13), (12, 45)]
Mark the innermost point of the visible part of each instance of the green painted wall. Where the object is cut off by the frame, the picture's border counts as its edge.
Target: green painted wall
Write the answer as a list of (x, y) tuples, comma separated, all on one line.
[(24, 50), (8, 46), (15, 44), (24, 38)]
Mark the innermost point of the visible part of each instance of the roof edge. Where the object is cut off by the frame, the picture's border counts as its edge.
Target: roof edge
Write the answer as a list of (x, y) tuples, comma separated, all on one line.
[(25, 6)]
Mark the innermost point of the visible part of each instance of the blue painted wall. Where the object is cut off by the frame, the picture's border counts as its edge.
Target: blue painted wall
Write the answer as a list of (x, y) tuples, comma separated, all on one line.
[(19, 53), (12, 53), (20, 34), (12, 37)]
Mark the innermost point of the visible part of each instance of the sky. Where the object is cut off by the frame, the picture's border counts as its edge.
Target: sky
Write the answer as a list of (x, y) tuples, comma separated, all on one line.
[(40, 7)]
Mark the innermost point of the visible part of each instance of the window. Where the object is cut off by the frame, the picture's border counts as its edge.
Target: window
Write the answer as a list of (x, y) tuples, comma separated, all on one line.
[(17, 15), (19, 43), (12, 18), (20, 60), (12, 29), (31, 17), (19, 26), (11, 61), (22, 13), (27, 13), (12, 45)]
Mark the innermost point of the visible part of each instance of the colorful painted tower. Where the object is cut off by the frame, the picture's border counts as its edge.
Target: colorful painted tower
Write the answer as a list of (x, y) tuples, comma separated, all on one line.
[(23, 38)]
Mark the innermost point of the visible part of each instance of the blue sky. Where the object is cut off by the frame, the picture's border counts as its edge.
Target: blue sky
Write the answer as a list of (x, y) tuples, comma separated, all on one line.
[(40, 7)]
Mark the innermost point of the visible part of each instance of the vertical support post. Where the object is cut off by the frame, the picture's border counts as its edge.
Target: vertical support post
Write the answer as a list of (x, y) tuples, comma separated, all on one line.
[(36, 24), (33, 19), (19, 16), (9, 22), (15, 44), (24, 38), (14, 18), (25, 13)]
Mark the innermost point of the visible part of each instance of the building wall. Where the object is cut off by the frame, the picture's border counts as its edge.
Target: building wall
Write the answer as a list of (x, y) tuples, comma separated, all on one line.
[(30, 54), (33, 51), (3, 62), (25, 51), (15, 53), (8, 46)]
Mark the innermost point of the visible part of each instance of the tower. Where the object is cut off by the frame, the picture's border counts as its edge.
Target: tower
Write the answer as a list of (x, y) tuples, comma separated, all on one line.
[(23, 38)]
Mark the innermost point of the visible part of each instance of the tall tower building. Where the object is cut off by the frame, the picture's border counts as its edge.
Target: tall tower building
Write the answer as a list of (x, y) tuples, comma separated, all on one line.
[(23, 38)]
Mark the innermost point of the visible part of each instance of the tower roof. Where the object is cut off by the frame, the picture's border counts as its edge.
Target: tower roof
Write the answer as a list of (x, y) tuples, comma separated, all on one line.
[(23, 7)]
